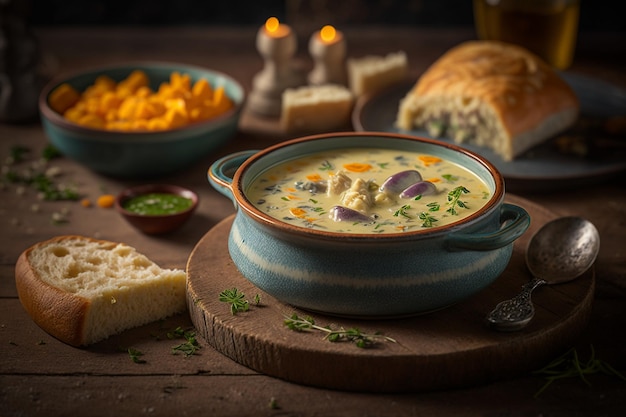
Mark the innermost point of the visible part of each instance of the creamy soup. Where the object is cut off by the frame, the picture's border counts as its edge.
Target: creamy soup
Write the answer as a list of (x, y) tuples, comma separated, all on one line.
[(363, 190)]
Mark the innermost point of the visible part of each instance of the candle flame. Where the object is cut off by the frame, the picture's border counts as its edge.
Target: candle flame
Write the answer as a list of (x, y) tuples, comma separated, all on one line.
[(272, 24), (328, 33)]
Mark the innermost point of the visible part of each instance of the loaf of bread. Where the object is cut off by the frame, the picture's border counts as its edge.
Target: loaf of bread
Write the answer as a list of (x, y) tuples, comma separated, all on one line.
[(82, 290), (491, 94), (373, 73), (313, 109)]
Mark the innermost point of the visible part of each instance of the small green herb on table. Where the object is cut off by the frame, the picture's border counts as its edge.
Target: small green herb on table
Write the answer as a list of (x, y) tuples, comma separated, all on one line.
[(135, 355), (189, 347)]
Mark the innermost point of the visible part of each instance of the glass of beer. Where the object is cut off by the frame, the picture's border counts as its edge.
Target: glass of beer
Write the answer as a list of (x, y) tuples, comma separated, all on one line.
[(546, 27)]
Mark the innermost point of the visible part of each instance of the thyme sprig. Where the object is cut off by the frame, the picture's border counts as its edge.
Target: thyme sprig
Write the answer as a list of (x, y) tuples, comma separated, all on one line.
[(569, 365), (454, 199), (354, 335), (237, 300)]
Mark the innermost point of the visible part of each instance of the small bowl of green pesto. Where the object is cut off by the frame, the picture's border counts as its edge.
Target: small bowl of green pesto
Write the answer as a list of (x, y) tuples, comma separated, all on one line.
[(156, 208)]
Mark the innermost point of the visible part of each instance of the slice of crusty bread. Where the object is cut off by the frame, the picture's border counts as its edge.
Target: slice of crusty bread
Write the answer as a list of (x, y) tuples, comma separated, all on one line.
[(492, 94), (83, 290)]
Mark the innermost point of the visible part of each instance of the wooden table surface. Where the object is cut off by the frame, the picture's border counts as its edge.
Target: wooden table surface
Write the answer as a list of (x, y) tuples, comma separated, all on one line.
[(42, 376)]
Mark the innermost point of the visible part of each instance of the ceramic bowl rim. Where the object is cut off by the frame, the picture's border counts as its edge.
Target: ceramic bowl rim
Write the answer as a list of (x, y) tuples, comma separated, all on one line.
[(250, 209), (138, 190), (175, 134)]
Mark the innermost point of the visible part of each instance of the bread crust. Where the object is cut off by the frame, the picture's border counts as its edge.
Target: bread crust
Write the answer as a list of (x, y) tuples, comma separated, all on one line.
[(59, 313), (526, 95), (92, 307), (521, 88)]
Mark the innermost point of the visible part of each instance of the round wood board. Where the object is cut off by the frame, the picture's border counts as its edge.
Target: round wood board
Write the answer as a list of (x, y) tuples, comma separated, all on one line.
[(444, 349)]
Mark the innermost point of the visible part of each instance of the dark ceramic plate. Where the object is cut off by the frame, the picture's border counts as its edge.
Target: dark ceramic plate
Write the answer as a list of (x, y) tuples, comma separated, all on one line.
[(539, 169)]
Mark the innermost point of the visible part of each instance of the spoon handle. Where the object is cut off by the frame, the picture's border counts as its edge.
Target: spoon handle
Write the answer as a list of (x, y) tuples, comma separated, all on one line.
[(516, 313)]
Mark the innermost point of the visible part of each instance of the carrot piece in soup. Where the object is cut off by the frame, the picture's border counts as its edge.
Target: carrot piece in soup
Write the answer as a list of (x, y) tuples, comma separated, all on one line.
[(429, 160), (357, 167), (297, 212)]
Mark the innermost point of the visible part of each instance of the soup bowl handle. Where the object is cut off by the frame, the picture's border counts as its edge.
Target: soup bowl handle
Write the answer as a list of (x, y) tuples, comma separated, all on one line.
[(222, 172), (515, 221)]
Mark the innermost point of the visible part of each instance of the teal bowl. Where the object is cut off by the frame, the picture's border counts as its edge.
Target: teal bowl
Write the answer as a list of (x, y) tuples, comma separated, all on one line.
[(141, 154), (367, 275)]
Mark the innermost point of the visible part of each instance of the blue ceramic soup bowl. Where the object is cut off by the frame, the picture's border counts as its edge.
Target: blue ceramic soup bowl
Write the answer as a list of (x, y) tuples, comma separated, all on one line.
[(367, 275), (141, 154)]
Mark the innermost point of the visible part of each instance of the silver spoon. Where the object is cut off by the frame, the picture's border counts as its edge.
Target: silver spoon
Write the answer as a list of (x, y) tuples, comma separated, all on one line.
[(562, 250)]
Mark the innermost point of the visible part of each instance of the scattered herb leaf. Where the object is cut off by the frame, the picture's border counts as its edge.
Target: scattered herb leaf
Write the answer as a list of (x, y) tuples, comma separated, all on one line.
[(236, 299), (274, 404), (50, 152), (18, 152), (135, 355), (190, 346)]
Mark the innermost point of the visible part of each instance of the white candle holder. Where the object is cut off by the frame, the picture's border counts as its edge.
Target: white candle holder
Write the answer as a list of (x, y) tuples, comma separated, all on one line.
[(277, 49), (328, 51)]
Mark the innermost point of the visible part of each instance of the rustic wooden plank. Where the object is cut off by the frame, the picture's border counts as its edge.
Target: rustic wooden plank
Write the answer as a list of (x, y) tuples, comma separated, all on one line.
[(230, 395), (27, 349)]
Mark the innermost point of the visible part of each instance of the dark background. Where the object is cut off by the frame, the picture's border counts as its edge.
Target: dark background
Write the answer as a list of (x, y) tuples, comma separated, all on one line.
[(596, 15)]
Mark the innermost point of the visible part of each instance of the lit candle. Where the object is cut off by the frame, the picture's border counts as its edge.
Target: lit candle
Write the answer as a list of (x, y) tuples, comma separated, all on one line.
[(277, 44), (329, 34), (275, 29), (328, 50)]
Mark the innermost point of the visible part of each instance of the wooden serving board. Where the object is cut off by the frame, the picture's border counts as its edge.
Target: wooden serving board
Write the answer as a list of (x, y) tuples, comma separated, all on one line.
[(444, 349)]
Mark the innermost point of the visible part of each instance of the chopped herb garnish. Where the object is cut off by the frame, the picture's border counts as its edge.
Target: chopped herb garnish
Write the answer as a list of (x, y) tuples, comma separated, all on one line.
[(434, 206), (326, 166), (450, 177), (427, 219), (402, 211)]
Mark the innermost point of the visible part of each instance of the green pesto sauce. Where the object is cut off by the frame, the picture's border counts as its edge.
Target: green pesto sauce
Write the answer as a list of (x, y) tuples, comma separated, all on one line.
[(155, 204)]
